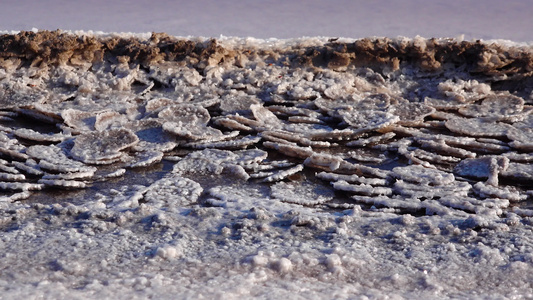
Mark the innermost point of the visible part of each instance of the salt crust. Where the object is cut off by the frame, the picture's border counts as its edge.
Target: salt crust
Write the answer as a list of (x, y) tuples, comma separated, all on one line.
[(268, 118)]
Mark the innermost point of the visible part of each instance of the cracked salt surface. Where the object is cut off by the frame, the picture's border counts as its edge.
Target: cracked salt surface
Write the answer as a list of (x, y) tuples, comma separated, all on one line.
[(155, 167)]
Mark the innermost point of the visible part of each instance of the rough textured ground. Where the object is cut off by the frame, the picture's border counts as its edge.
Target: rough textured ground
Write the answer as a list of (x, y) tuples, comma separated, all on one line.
[(314, 168)]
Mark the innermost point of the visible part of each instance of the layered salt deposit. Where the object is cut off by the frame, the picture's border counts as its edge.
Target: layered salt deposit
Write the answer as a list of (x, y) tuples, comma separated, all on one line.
[(155, 166)]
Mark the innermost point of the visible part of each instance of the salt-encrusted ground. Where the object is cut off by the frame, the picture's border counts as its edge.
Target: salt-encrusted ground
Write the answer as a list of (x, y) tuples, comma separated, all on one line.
[(137, 167)]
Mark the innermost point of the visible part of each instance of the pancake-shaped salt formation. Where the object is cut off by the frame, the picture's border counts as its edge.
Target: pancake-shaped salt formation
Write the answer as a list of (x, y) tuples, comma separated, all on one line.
[(250, 156), (427, 191), (522, 138), (102, 147), (362, 189), (265, 117), (368, 120), (20, 186), (419, 174), (290, 150), (233, 144), (208, 161), (232, 124), (464, 90), (62, 183), (54, 159), (488, 191), (401, 203), (378, 139), (151, 136), (108, 119), (353, 178), (282, 174), (303, 194), (290, 137), (478, 127), (495, 106), (440, 146), (191, 131), (445, 104), (11, 177), (487, 167), (79, 120), (173, 192), (4, 166), (16, 197), (325, 161), (20, 93), (145, 159), (188, 121), (33, 135), (189, 114), (231, 104), (30, 167), (521, 172), (411, 113)]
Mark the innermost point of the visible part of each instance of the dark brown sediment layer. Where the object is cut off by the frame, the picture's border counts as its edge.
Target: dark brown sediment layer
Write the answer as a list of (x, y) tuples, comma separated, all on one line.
[(56, 47)]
